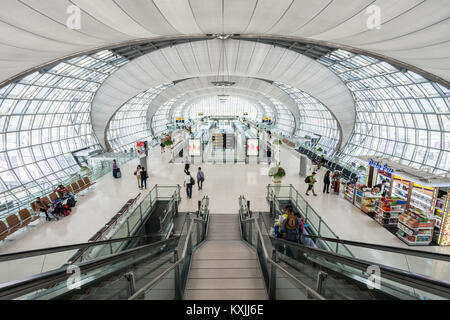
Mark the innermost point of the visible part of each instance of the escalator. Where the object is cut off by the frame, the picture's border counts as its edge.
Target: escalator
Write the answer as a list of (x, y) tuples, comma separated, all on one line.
[(172, 269), (296, 271), (114, 276)]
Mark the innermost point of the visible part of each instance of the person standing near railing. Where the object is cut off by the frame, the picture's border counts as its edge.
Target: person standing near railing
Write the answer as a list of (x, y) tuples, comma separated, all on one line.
[(137, 173), (144, 177)]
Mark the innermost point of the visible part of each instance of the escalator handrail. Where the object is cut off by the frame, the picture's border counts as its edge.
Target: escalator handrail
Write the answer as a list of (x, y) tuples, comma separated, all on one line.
[(421, 282), (277, 265), (157, 279), (50, 250), (410, 252), (32, 283)]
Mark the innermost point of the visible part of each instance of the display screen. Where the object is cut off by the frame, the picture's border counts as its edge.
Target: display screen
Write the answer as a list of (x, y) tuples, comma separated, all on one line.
[(252, 147), (194, 147)]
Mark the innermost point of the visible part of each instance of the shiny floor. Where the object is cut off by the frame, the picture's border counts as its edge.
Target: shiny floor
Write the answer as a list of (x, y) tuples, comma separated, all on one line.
[(224, 184)]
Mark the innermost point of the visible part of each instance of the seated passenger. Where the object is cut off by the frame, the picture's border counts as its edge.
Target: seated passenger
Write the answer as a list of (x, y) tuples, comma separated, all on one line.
[(41, 207), (65, 193)]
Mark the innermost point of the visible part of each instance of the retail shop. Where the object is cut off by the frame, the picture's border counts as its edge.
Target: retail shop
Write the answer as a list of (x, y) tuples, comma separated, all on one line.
[(412, 204)]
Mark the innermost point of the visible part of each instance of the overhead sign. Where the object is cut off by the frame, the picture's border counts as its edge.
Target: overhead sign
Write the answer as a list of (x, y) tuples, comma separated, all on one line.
[(245, 113), (200, 113), (179, 120), (252, 147), (377, 165), (267, 120), (194, 147)]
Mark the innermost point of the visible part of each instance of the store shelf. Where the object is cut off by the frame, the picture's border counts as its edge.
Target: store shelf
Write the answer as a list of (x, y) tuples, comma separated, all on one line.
[(400, 196), (418, 200), (415, 243), (422, 193), (415, 229)]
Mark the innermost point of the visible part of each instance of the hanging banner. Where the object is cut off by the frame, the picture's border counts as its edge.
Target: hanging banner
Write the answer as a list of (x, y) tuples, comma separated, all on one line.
[(194, 147), (252, 147)]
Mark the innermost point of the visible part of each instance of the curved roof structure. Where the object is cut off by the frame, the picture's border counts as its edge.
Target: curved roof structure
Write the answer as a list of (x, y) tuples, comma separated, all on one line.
[(413, 32), (256, 88), (244, 59)]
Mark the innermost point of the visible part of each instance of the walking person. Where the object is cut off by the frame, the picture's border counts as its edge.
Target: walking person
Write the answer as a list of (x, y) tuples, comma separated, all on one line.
[(144, 177), (310, 181), (137, 173), (162, 147), (200, 178), (114, 167), (186, 167), (269, 155), (326, 182), (188, 182)]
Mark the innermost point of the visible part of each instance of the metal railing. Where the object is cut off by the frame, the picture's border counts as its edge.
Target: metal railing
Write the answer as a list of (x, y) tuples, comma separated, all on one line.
[(251, 232), (310, 216), (52, 284), (8, 207), (393, 281), (196, 233), (128, 223)]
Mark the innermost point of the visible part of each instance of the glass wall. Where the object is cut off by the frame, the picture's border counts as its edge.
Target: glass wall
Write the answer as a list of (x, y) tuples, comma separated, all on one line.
[(400, 114), (315, 119), (44, 117), (129, 124)]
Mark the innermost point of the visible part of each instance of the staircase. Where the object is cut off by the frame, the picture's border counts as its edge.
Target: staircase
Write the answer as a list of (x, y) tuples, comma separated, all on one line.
[(224, 267)]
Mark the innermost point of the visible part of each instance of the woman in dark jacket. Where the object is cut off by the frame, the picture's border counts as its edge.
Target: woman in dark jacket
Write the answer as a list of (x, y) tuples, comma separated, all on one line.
[(326, 182)]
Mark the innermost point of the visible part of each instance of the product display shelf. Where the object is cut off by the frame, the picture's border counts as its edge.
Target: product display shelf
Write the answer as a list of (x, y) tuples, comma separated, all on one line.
[(439, 211), (385, 218), (366, 201), (415, 229), (350, 192)]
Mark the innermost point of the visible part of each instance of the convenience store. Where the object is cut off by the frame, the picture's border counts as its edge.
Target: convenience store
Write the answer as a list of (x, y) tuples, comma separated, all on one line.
[(415, 206)]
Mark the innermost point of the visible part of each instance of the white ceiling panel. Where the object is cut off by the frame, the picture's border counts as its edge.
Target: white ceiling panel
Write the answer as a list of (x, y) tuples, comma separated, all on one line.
[(407, 25), (302, 72)]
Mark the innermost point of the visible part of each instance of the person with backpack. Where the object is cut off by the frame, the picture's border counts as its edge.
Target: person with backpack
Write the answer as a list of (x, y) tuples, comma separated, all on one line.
[(310, 181), (293, 228), (144, 177), (188, 183), (200, 178)]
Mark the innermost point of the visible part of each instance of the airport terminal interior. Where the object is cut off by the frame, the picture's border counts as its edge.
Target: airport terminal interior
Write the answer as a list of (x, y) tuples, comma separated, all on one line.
[(224, 150)]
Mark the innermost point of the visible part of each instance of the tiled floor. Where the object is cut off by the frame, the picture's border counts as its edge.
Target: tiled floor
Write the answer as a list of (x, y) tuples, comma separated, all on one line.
[(223, 184)]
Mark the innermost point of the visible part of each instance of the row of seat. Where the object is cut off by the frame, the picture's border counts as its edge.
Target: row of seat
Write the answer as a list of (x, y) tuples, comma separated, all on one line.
[(15, 223)]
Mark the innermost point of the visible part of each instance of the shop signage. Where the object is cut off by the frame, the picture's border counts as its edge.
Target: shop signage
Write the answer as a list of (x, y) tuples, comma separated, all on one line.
[(377, 165)]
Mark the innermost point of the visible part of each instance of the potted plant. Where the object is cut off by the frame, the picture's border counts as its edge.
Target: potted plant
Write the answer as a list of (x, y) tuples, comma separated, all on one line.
[(277, 173), (168, 141)]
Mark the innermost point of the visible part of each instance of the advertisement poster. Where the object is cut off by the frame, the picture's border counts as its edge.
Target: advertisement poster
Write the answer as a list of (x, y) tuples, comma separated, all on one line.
[(194, 147), (252, 147), (141, 148)]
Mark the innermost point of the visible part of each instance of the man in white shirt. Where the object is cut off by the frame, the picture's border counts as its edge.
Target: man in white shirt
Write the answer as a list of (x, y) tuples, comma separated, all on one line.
[(188, 184)]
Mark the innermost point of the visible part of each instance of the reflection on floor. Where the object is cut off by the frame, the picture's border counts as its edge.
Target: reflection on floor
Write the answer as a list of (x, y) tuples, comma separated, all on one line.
[(223, 184)]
